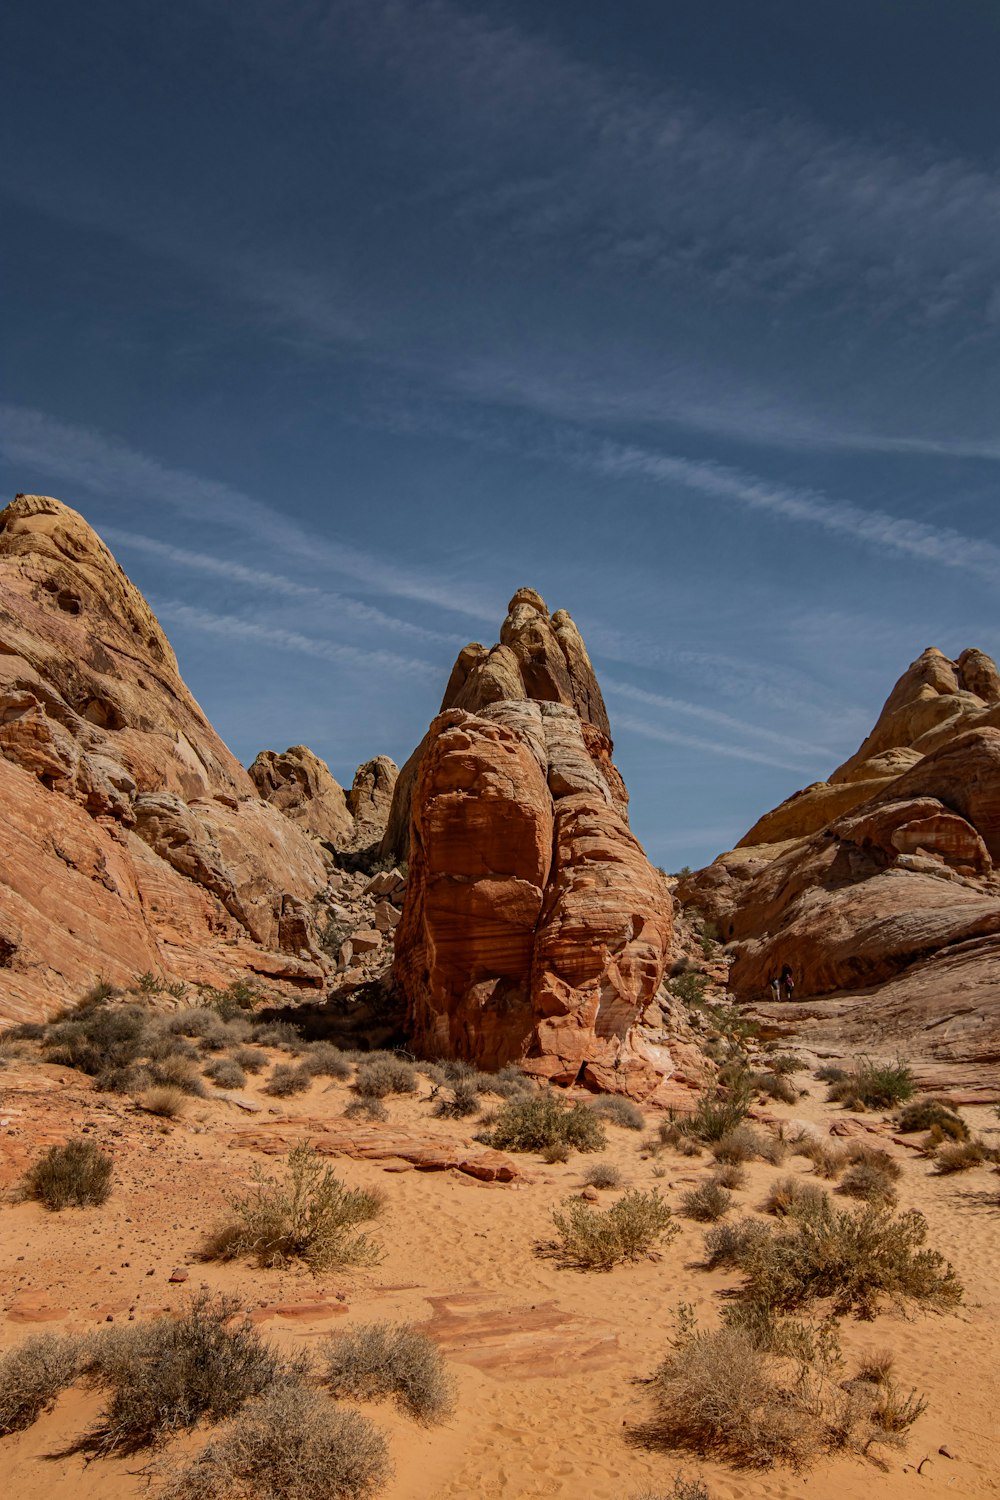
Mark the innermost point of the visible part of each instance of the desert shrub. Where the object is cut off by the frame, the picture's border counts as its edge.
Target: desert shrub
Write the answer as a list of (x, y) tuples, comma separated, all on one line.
[(895, 1412), (959, 1156), (673, 1134), (509, 1082), (291, 1445), (226, 1034), (172, 1372), (875, 1367), (386, 1075), (250, 1059), (727, 1245), (26, 1031), (305, 1214), (828, 1160), (166, 1043), (876, 1085), (195, 1020), (681, 1489), (129, 1079), (776, 1086), (596, 1239), (165, 1101), (367, 1107), (462, 1101), (98, 1038), (383, 1359), (707, 1202), (76, 1175), (531, 1122), (324, 1060), (557, 1152), (784, 1064), (854, 1256), (791, 1196), (178, 1073), (862, 1152), (715, 1394), (279, 1034), (868, 1181), (238, 997), (829, 1074), (603, 1175), (33, 1375), (225, 1073), (730, 1175), (689, 987), (618, 1111), (926, 1114), (714, 1118), (286, 1080), (741, 1145)]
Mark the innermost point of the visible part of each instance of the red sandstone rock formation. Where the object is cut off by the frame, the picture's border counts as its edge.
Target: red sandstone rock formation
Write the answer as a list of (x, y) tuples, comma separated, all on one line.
[(534, 929), (301, 786), (134, 840), (883, 878)]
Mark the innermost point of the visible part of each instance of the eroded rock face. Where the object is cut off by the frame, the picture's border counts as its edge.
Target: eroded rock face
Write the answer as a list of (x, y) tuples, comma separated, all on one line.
[(301, 786), (884, 874), (134, 838), (534, 929)]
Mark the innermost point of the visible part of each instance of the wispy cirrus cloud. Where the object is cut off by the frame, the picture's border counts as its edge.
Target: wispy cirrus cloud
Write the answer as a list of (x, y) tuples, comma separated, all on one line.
[(274, 637), (614, 688), (713, 747), (38, 444)]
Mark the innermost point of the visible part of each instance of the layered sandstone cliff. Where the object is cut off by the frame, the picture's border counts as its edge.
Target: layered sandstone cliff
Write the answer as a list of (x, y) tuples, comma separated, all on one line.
[(882, 880), (134, 840), (534, 929)]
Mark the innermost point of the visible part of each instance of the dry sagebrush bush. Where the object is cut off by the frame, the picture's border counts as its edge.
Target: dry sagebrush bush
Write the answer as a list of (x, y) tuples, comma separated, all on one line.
[(305, 1214), (385, 1359), (615, 1110), (33, 1375), (169, 1374), (595, 1239), (681, 1489), (790, 1196), (728, 1245), (167, 1102), (225, 1073), (730, 1175), (366, 1107), (745, 1144), (461, 1101), (291, 1445), (870, 1182), (286, 1080), (603, 1175), (77, 1175), (531, 1122), (959, 1156), (707, 1202), (386, 1075), (928, 1114), (324, 1060), (828, 1160)]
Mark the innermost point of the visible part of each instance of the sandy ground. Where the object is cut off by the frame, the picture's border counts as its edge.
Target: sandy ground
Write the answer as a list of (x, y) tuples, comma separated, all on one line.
[(549, 1363)]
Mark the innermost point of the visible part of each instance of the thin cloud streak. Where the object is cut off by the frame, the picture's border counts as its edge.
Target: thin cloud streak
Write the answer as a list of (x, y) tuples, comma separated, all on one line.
[(614, 688), (232, 627), (81, 456), (714, 747), (274, 583)]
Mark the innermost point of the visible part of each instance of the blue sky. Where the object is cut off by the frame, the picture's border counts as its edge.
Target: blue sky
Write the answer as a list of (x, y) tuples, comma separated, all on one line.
[(341, 321)]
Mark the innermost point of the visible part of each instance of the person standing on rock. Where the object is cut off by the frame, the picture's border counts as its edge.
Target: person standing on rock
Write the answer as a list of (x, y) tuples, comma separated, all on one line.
[(788, 982), (775, 984)]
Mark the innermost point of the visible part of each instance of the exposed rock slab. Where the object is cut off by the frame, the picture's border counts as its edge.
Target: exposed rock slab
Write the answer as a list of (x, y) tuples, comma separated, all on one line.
[(373, 1143)]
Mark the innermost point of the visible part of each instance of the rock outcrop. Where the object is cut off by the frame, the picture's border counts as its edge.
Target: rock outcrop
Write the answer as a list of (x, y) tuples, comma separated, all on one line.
[(884, 876), (534, 929), (134, 840), (301, 786)]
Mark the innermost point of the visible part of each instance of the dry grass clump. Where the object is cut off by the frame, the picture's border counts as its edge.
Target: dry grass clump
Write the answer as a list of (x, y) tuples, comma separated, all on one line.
[(728, 1245), (671, 1133), (77, 1175), (615, 1110), (745, 1144), (828, 1160), (707, 1202), (714, 1117), (367, 1107), (869, 1181), (874, 1085), (785, 1063), (681, 1489), (776, 1086), (557, 1152), (959, 1156), (225, 1073), (876, 1366), (286, 1080), (167, 1102), (169, 1374), (291, 1445), (385, 1359), (306, 1214), (279, 1034), (597, 1239), (730, 1175), (177, 1072), (716, 1394), (460, 1103), (386, 1075), (932, 1114), (33, 1375), (792, 1197), (250, 1059), (532, 1122), (854, 1256), (603, 1175)]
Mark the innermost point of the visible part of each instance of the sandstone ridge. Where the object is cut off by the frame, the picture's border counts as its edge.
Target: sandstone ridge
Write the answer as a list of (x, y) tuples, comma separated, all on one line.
[(534, 929)]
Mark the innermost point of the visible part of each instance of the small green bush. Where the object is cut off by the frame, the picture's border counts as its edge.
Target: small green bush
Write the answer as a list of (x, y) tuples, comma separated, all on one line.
[(531, 1122), (383, 1359), (169, 1374), (306, 1214), (615, 1110), (77, 1175), (707, 1202), (876, 1085), (784, 1064), (384, 1076), (33, 1375), (291, 1445), (715, 1118), (595, 1239)]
